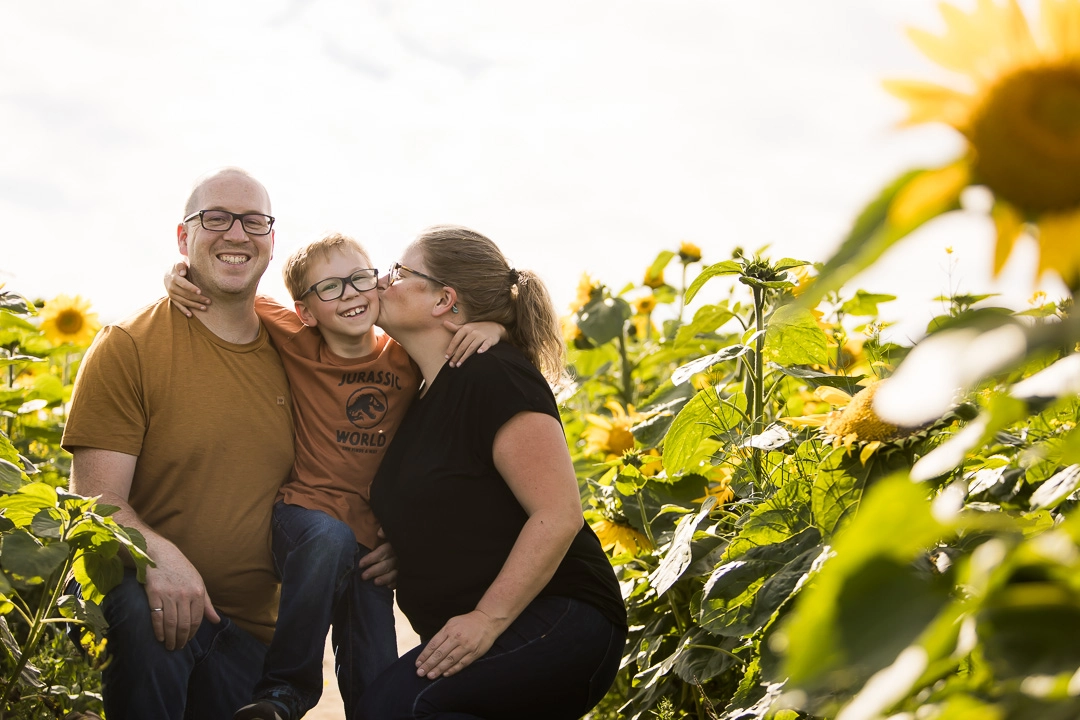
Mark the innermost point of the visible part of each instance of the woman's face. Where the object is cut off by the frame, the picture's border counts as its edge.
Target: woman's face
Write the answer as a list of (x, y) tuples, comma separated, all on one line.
[(406, 298)]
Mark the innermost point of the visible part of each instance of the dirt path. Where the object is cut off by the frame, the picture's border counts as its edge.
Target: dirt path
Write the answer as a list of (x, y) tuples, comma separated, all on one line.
[(329, 707)]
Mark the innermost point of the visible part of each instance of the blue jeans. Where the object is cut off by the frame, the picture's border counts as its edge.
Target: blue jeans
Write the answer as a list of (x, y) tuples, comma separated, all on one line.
[(317, 559), (556, 660), (207, 679)]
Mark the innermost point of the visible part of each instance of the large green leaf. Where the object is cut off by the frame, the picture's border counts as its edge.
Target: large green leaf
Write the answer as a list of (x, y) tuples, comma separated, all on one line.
[(741, 595), (865, 304), (22, 555), (1031, 628), (703, 417), (869, 602), (792, 337), (774, 520), (706, 320), (23, 505), (841, 479), (703, 656), (677, 557), (728, 267), (603, 320)]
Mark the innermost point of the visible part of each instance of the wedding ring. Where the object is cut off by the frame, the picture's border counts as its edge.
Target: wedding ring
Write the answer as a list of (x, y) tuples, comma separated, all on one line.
[(156, 610)]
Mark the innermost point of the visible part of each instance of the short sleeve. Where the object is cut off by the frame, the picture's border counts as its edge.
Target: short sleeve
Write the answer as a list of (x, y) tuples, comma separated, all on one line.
[(505, 383), (281, 322), (108, 409)]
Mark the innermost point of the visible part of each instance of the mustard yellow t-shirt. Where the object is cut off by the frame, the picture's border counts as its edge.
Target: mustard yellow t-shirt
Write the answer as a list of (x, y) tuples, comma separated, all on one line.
[(345, 410), (210, 422)]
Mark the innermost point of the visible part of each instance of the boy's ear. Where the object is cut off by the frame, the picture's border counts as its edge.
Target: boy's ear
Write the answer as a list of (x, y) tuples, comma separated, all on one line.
[(305, 315), (446, 303)]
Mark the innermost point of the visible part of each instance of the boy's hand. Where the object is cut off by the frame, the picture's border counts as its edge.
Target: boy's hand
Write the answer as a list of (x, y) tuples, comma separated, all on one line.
[(472, 338), (182, 292), (380, 565)]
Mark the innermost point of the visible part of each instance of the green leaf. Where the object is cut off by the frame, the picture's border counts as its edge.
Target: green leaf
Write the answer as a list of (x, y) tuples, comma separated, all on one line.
[(706, 320), (16, 304), (704, 656), (22, 555), (728, 267), (869, 602), (46, 524), (11, 477), (677, 557), (685, 372), (603, 321), (814, 378), (865, 304), (1031, 628), (839, 485), (701, 418), (97, 574), (785, 514), (741, 595), (871, 236), (657, 268), (792, 337)]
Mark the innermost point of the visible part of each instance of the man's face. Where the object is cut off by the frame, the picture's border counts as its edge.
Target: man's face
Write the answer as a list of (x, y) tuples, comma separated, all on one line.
[(230, 263)]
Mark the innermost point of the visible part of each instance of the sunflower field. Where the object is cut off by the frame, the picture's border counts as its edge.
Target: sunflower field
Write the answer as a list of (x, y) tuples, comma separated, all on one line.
[(807, 519)]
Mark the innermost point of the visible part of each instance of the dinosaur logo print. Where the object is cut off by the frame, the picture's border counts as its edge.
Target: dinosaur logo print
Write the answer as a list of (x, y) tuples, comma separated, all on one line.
[(366, 407)]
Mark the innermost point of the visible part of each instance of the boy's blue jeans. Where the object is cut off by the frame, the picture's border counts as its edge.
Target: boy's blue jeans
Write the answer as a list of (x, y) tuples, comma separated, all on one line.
[(317, 559), (207, 679)]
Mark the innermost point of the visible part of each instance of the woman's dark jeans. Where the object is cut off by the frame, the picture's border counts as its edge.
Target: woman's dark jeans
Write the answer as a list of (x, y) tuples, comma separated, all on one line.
[(557, 660)]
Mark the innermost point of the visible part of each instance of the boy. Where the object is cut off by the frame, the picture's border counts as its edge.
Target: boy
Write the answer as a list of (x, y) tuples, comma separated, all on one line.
[(351, 385)]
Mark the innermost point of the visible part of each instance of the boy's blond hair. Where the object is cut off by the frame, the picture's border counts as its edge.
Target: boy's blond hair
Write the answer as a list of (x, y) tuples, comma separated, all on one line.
[(297, 265)]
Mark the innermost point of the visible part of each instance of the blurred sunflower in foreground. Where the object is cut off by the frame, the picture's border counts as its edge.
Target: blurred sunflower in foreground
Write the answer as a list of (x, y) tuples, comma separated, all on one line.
[(1020, 114), (611, 436), (68, 320)]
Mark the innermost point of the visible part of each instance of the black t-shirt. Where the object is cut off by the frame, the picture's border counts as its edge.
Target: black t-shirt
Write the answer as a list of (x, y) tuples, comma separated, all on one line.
[(450, 516)]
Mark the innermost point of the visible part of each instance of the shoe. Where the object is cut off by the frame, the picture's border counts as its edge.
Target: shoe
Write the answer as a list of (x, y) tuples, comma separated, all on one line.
[(261, 710)]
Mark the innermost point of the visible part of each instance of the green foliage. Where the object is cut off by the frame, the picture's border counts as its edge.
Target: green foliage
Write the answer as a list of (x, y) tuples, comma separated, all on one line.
[(47, 534), (809, 572)]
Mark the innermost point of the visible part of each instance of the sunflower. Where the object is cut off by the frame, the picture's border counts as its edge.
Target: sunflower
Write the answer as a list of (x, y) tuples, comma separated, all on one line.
[(68, 320), (1020, 114), (689, 253), (611, 435), (853, 422), (623, 539), (588, 290)]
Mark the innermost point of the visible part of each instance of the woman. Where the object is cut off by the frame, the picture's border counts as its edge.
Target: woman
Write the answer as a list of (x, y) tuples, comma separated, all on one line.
[(517, 607)]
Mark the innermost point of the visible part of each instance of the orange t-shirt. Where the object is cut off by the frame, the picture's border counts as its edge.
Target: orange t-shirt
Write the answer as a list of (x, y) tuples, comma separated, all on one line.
[(345, 411), (210, 422)]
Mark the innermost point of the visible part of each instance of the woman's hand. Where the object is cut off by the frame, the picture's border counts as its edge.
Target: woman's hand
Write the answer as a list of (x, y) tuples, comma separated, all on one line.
[(461, 641), (471, 338), (182, 292)]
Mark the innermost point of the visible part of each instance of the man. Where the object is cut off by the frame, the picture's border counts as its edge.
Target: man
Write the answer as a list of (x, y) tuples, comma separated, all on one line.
[(185, 425)]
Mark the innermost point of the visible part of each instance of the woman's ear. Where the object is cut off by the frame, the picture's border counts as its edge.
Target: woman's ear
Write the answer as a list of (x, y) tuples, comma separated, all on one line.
[(446, 305)]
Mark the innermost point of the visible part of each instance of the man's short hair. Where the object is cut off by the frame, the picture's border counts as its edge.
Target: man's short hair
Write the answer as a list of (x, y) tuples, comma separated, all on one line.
[(296, 267)]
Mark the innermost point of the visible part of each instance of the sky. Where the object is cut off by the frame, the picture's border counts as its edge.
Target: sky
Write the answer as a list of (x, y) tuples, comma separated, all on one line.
[(580, 135)]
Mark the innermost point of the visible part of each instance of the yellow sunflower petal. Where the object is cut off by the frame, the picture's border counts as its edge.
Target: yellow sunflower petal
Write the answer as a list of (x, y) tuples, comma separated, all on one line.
[(868, 450), (1059, 245), (1061, 27), (929, 194), (928, 102), (1008, 225), (831, 395), (805, 421)]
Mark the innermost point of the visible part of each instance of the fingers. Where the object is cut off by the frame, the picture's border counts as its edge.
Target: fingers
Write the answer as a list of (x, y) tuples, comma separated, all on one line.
[(208, 609), (455, 647), (157, 618)]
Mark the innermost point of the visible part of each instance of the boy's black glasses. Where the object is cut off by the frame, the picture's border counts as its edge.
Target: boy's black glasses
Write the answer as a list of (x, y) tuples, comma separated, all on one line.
[(334, 287)]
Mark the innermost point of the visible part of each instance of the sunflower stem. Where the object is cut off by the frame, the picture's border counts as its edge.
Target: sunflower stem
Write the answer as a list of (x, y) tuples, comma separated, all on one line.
[(758, 409), (627, 381)]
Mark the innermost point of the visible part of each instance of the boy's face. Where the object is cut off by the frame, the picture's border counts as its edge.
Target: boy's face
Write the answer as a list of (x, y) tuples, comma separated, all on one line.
[(354, 313)]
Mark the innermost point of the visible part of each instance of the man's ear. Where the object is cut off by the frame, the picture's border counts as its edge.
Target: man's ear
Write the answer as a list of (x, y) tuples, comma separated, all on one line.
[(182, 238), (272, 244), (446, 303), (306, 316)]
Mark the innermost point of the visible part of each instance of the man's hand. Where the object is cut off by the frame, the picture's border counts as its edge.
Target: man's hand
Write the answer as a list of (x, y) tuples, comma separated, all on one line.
[(462, 640), (178, 599), (380, 565)]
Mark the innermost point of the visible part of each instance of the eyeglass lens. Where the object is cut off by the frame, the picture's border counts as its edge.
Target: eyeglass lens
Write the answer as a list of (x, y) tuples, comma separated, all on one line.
[(333, 288), (219, 220)]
